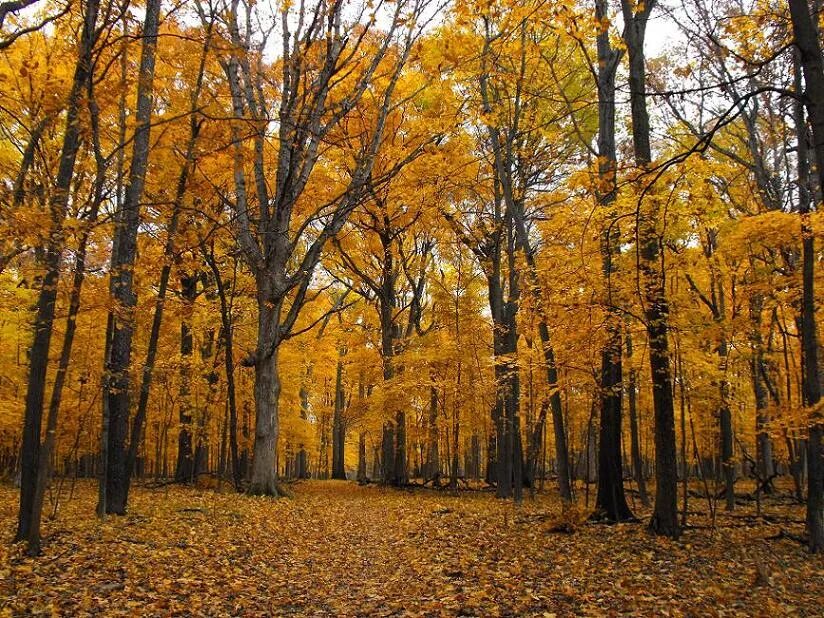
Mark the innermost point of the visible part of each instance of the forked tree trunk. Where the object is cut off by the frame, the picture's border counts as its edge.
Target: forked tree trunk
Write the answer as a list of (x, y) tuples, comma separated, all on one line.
[(48, 446), (44, 316)]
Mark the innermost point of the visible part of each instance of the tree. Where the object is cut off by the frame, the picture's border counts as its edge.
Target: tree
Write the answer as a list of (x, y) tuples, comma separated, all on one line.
[(281, 252), (116, 477), (665, 514), (809, 48), (33, 464), (610, 503)]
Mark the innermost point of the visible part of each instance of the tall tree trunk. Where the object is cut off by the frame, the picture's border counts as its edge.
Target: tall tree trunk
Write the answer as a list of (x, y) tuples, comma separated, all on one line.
[(185, 467), (550, 366), (169, 250), (401, 475), (362, 476), (44, 317), (685, 468), (387, 458), (635, 441), (267, 394), (757, 365), (724, 413), (610, 502), (338, 426), (656, 308), (228, 363), (121, 285), (48, 446), (812, 64), (432, 468)]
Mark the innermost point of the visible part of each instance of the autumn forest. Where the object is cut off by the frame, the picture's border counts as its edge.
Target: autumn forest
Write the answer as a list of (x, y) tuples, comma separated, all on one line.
[(411, 307)]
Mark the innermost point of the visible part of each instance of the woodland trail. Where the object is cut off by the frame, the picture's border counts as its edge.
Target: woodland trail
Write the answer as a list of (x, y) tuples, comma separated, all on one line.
[(340, 549)]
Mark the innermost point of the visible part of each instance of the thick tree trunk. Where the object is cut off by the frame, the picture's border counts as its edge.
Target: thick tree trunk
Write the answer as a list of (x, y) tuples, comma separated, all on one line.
[(610, 502), (387, 458), (44, 317), (727, 462), (267, 394), (809, 48), (122, 277), (456, 429), (507, 395), (812, 64), (401, 475), (656, 308)]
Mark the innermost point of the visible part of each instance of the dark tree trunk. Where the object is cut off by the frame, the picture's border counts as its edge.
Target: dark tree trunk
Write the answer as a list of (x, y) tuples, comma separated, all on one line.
[(559, 432), (724, 413), (475, 450), (362, 476), (635, 441), (656, 311), (227, 331), (47, 449), (432, 468), (763, 443), (387, 458), (610, 502), (491, 449), (401, 475), (185, 468), (169, 255), (535, 446), (338, 427), (124, 251), (502, 145), (44, 317), (506, 374), (812, 64)]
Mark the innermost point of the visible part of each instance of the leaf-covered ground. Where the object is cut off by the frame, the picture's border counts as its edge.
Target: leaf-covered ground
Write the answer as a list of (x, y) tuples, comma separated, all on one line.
[(339, 549)]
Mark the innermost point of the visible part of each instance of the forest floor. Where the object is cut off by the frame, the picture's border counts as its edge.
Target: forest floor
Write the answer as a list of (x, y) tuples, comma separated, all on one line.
[(339, 549)]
